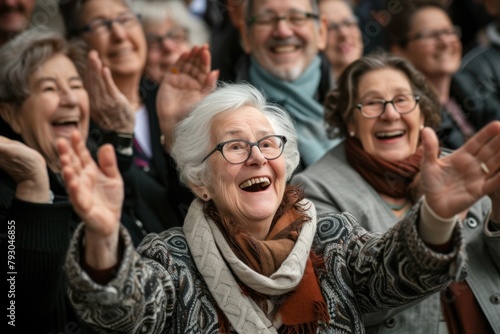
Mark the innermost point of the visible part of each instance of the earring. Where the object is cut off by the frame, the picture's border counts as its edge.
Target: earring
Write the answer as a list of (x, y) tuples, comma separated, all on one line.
[(205, 196), (351, 133)]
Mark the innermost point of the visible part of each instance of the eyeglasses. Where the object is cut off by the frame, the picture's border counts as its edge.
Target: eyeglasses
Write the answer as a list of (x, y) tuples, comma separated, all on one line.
[(295, 19), (177, 35), (348, 23), (403, 104), (238, 151), (100, 26), (433, 36)]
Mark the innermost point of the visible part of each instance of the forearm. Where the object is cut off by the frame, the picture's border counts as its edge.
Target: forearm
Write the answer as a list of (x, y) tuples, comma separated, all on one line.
[(35, 190), (101, 252), (434, 229)]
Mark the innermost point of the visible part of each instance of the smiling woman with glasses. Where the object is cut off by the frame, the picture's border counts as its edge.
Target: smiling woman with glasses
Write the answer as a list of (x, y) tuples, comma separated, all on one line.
[(382, 104), (253, 256)]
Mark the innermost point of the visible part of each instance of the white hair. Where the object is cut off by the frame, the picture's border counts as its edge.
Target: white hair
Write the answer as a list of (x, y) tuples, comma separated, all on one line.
[(176, 11), (192, 135)]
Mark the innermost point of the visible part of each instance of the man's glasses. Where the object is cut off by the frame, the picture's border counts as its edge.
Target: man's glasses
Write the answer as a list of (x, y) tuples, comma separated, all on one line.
[(177, 35), (270, 20), (100, 26), (238, 151), (403, 104), (348, 23)]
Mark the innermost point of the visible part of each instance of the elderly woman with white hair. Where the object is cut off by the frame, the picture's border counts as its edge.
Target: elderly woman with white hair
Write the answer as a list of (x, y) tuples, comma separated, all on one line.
[(171, 30), (252, 255)]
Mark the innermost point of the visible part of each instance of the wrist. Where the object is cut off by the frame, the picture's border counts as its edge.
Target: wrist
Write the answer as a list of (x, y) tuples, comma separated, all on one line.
[(35, 191)]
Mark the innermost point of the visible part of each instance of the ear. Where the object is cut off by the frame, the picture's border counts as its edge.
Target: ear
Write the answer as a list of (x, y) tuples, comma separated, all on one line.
[(9, 115), (201, 192), (322, 33)]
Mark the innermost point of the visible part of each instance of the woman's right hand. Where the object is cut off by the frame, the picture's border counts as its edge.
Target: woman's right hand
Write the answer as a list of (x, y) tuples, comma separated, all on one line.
[(109, 108), (27, 168), (96, 193)]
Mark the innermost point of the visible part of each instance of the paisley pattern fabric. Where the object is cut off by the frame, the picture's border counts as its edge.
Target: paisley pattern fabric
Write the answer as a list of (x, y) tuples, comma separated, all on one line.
[(158, 289)]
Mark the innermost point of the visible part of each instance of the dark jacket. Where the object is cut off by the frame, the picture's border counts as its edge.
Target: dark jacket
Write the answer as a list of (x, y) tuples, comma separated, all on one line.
[(476, 87)]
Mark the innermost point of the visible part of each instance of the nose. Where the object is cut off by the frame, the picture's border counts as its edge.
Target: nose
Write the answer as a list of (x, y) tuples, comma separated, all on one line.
[(117, 29), (390, 112), (68, 97), (168, 44), (256, 157), (283, 28)]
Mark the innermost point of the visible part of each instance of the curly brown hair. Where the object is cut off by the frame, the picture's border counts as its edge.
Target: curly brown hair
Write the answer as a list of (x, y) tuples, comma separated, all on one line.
[(340, 103)]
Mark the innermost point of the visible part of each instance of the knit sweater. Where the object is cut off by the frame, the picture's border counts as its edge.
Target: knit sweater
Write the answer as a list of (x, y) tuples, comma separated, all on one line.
[(158, 288)]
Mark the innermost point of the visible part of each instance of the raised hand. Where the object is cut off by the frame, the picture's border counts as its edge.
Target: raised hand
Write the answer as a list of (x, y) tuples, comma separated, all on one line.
[(27, 168), (453, 183), (97, 196), (96, 192), (109, 108), (187, 82)]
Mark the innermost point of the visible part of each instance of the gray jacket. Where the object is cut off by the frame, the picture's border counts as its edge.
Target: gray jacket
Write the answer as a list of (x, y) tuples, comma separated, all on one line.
[(333, 186)]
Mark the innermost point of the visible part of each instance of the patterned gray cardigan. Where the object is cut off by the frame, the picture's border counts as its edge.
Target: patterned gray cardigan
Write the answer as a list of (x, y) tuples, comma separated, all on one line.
[(158, 289)]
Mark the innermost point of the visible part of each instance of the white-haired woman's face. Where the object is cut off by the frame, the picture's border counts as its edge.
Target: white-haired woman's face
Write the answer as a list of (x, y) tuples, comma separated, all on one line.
[(166, 42), (58, 104), (251, 191)]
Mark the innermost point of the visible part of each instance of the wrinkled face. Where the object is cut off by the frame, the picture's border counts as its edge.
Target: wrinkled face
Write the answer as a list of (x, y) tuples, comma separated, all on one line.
[(230, 189), (122, 47), (434, 54), (345, 43), (15, 15), (166, 42), (391, 136), (284, 49), (57, 105)]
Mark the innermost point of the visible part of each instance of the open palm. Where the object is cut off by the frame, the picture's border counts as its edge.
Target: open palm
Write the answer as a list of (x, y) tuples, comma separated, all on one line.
[(96, 192), (453, 183)]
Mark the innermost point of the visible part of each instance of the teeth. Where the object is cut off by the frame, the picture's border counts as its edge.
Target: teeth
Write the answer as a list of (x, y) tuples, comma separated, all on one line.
[(65, 121), (389, 134), (285, 48), (250, 182)]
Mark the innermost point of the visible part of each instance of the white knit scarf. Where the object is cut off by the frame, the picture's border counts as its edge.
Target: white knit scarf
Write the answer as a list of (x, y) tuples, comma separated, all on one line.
[(214, 258)]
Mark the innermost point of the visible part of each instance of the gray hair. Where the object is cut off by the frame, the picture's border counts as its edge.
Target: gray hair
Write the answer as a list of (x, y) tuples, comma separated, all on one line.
[(176, 11), (249, 10), (192, 135), (20, 57)]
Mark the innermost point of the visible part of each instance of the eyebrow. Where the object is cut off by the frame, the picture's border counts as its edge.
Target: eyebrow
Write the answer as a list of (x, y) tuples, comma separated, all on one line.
[(395, 92), (235, 133)]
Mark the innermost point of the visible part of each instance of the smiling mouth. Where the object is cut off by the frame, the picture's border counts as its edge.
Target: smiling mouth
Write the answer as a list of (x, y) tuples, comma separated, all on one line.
[(66, 122), (256, 184), (284, 49), (390, 134)]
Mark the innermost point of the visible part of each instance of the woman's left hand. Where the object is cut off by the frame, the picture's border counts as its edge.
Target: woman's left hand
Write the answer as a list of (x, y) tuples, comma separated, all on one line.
[(453, 183), (109, 108)]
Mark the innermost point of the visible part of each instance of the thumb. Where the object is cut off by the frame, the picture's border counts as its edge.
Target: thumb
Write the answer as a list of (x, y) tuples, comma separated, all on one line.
[(107, 161), (430, 144)]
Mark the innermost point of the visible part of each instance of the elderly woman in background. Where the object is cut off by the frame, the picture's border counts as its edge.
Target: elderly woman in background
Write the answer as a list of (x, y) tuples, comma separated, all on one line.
[(153, 192), (171, 30), (423, 33), (252, 255), (42, 98), (345, 42), (381, 105)]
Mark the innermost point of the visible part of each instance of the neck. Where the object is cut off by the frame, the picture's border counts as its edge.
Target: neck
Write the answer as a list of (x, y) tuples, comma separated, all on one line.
[(129, 86), (442, 85)]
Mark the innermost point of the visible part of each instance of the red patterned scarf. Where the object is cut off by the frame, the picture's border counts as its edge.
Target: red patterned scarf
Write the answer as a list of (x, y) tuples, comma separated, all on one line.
[(396, 179), (302, 308)]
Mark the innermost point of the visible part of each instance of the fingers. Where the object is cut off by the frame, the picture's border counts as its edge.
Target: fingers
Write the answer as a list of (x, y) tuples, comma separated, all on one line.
[(480, 139), (107, 161), (431, 145)]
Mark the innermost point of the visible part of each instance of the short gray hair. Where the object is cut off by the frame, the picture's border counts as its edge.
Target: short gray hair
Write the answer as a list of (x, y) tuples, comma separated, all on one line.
[(192, 135), (20, 57)]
